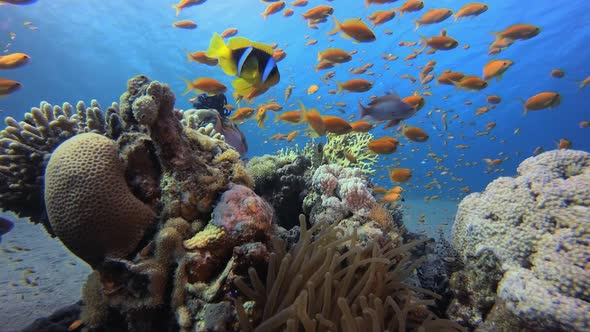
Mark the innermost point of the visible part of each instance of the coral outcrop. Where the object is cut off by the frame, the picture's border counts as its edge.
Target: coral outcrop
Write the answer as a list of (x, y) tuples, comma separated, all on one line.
[(535, 227), (90, 206), (282, 182)]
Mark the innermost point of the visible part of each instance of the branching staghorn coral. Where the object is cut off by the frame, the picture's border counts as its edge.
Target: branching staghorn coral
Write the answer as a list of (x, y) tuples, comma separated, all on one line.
[(356, 145), (327, 282)]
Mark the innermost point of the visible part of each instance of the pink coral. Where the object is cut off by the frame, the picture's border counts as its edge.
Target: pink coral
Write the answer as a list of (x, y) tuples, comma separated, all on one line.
[(243, 214)]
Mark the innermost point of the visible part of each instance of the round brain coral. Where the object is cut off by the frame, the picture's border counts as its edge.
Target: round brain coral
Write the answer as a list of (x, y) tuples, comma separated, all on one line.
[(90, 206)]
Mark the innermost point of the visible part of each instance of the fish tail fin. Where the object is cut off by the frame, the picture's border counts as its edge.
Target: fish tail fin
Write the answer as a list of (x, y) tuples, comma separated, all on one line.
[(337, 26), (319, 56), (219, 50), (189, 86), (424, 41), (367, 3), (189, 57), (522, 101), (417, 25), (363, 111), (264, 16), (339, 86), (303, 112), (178, 9), (456, 18)]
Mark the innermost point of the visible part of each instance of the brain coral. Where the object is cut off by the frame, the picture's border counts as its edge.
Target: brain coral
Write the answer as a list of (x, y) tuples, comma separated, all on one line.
[(90, 206), (537, 225)]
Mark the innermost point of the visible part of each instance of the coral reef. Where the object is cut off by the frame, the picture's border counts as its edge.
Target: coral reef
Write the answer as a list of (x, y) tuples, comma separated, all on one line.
[(316, 286), (164, 211), (282, 182), (354, 144), (535, 226)]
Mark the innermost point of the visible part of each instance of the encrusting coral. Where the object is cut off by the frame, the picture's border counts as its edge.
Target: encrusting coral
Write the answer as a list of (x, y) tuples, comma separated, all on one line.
[(319, 286), (536, 227)]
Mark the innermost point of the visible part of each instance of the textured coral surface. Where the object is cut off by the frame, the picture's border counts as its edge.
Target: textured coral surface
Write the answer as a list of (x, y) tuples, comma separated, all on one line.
[(90, 206), (537, 225)]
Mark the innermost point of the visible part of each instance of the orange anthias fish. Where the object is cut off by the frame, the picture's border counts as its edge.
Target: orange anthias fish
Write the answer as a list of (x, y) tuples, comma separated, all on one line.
[(185, 4), (449, 77), (361, 126), (13, 60), (410, 6), (416, 134), (369, 2), (336, 125), (518, 31), (336, 55), (185, 24), (495, 68), (400, 174), (439, 43), (292, 116), (242, 114), (381, 16), (229, 32), (8, 86), (201, 57), (313, 117), (209, 85), (383, 145), (273, 8), (318, 13), (471, 9), (355, 85), (542, 101), (415, 101), (433, 16), (355, 29), (472, 83)]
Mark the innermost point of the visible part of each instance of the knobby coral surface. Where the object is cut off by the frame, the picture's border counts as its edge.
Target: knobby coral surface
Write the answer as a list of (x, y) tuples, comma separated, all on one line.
[(536, 226)]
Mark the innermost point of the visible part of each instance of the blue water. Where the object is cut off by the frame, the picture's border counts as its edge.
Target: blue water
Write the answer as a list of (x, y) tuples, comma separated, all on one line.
[(88, 49)]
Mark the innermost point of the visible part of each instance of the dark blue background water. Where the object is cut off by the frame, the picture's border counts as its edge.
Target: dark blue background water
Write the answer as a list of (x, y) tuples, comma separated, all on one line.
[(88, 49)]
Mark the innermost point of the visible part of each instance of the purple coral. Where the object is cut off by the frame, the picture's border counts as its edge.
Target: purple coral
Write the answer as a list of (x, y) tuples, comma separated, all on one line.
[(343, 190), (242, 214)]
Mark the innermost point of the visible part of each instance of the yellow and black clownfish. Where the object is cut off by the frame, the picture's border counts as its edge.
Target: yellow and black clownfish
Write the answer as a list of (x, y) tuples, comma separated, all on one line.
[(251, 62)]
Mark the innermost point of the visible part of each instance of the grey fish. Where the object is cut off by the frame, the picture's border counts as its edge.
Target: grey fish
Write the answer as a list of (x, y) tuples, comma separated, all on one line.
[(5, 226), (387, 108)]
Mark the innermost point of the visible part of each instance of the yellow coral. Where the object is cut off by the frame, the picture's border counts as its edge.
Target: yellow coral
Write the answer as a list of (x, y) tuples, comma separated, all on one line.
[(356, 145), (205, 238)]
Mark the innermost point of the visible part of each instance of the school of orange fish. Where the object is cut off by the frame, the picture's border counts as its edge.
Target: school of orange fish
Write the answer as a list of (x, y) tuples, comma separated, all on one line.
[(389, 109)]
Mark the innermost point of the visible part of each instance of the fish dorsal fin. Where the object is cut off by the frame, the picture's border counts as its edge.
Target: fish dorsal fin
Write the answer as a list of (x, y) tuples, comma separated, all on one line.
[(243, 58), (352, 20), (241, 42)]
